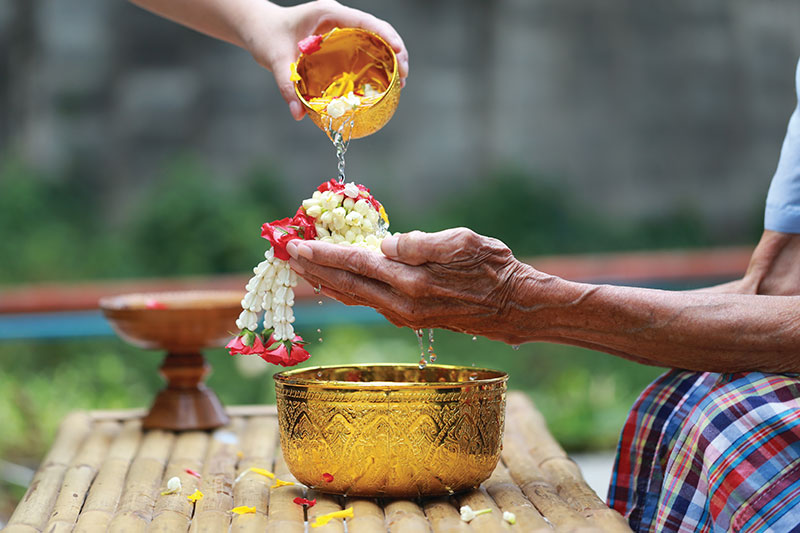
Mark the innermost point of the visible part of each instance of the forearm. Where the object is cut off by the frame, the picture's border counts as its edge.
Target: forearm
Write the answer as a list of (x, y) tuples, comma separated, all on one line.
[(222, 19), (696, 331)]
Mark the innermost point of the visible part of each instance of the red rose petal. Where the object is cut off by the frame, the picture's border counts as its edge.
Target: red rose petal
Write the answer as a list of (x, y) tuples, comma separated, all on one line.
[(310, 44), (152, 303), (303, 501)]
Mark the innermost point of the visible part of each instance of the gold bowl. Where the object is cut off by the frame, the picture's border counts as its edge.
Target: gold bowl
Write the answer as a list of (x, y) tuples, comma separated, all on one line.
[(391, 430), (363, 57)]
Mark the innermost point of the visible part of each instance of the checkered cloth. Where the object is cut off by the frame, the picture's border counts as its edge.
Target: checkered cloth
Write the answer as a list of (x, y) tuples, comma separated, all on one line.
[(711, 452)]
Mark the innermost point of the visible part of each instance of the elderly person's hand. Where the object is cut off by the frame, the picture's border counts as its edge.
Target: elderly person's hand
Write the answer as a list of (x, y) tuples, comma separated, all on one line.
[(271, 32), (454, 279), (459, 280)]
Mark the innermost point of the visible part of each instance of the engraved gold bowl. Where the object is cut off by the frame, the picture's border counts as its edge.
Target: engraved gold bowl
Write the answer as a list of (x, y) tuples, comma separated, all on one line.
[(370, 60), (391, 430)]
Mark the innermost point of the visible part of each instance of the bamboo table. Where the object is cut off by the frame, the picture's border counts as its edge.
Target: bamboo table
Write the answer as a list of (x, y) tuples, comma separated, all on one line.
[(104, 474)]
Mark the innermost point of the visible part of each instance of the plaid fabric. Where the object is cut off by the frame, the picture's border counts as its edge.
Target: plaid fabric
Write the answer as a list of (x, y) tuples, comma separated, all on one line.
[(711, 452)]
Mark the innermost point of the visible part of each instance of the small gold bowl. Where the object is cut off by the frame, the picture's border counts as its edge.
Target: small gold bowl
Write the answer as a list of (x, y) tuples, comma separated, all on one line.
[(389, 430), (370, 60)]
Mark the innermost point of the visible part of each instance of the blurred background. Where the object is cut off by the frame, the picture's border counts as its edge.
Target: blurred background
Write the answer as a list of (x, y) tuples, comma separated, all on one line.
[(133, 148)]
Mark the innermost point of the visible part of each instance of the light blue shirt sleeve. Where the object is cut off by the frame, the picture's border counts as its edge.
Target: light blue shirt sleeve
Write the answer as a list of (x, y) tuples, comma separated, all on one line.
[(783, 199)]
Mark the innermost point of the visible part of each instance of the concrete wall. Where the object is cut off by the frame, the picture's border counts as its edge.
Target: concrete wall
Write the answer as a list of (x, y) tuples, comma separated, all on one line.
[(636, 107)]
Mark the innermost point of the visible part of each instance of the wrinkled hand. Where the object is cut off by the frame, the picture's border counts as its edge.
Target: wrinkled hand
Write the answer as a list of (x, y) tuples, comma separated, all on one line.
[(272, 37), (453, 279)]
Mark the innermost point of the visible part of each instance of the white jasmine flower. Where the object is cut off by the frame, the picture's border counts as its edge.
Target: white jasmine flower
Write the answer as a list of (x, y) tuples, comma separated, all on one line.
[(354, 218), (314, 211), (352, 99), (326, 217), (370, 91), (351, 190), (373, 216), (252, 302), (348, 203), (247, 320), (337, 107), (510, 517), (309, 202), (174, 483), (362, 206), (467, 514)]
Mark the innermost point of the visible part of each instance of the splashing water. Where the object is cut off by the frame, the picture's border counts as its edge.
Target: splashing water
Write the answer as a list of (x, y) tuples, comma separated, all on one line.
[(422, 361), (431, 353)]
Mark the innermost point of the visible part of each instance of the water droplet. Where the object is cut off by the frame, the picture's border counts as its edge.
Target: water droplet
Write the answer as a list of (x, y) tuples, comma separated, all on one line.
[(319, 374), (515, 347), (320, 339), (473, 376), (319, 302), (318, 289), (474, 337), (422, 364), (433, 357), (319, 330)]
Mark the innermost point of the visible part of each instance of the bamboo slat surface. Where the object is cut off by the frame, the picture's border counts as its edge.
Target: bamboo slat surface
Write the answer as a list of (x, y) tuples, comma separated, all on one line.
[(103, 473)]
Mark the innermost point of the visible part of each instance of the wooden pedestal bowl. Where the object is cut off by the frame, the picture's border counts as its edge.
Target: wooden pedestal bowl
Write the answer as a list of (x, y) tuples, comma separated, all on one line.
[(182, 323)]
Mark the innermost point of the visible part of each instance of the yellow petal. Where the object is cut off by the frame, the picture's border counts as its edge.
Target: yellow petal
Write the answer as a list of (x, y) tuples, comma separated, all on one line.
[(383, 214), (195, 496), (263, 472), (281, 483), (294, 75), (325, 518), (244, 509)]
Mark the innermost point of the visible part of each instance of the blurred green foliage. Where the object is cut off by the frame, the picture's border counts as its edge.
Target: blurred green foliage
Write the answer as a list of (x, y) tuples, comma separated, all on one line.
[(56, 228)]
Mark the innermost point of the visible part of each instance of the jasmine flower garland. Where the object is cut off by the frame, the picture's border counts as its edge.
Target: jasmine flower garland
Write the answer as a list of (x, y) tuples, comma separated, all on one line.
[(339, 213)]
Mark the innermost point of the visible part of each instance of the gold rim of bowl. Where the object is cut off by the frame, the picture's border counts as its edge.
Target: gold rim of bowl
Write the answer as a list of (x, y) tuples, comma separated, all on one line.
[(309, 377)]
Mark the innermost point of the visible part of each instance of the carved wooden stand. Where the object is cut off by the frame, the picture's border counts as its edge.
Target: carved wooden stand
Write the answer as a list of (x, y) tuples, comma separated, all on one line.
[(185, 403), (183, 324)]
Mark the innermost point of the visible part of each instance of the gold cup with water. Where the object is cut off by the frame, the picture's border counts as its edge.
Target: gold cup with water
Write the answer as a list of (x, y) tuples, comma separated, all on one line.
[(349, 61)]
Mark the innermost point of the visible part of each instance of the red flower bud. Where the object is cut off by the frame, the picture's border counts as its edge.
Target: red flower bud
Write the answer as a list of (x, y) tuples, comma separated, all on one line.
[(310, 44)]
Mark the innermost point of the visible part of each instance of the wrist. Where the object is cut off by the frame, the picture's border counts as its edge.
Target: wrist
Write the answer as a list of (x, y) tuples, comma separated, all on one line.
[(255, 22), (535, 305)]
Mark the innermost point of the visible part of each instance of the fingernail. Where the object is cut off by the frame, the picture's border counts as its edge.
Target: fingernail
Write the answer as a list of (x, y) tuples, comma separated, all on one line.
[(291, 248), (304, 250), (296, 266), (296, 109), (389, 246)]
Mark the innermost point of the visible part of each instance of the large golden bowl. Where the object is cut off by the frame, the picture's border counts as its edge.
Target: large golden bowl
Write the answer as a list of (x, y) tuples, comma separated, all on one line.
[(391, 430), (367, 59)]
